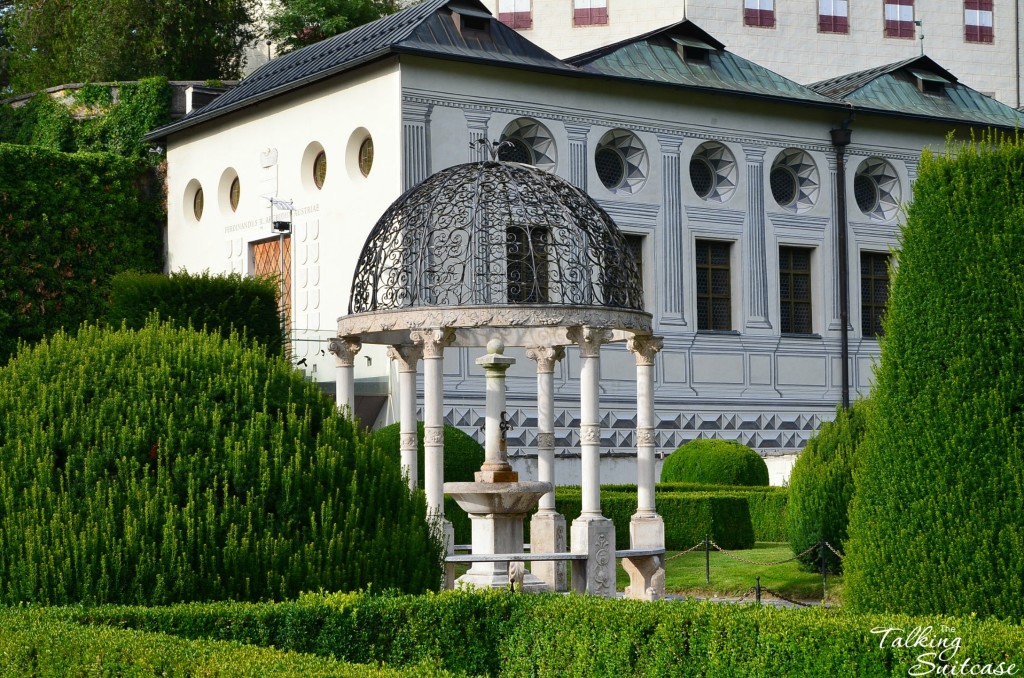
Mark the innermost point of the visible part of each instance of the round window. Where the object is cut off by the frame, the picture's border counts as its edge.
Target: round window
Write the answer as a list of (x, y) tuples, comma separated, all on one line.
[(235, 193), (320, 169), (866, 193), (515, 150), (783, 182), (366, 156), (197, 204), (621, 161), (876, 188), (702, 177), (611, 168), (794, 180)]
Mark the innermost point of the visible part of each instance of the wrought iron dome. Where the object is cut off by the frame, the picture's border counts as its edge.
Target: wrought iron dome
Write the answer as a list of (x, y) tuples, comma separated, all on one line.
[(497, 234)]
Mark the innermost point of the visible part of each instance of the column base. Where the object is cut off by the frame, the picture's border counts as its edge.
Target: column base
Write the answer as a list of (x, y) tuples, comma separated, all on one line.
[(646, 573), (646, 531), (594, 536), (547, 535)]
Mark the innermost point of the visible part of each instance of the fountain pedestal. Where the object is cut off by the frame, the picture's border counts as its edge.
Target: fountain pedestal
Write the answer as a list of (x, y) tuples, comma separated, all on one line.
[(497, 502)]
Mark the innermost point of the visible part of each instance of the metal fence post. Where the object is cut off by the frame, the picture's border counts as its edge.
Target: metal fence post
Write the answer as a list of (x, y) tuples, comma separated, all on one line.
[(707, 559), (758, 590), (824, 571)]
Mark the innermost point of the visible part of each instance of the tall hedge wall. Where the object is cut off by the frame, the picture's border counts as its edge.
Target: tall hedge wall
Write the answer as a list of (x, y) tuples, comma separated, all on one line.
[(70, 222), (937, 521), (166, 465), (222, 304)]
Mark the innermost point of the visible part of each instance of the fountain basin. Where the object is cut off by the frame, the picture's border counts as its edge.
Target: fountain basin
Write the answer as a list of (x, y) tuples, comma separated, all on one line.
[(501, 498)]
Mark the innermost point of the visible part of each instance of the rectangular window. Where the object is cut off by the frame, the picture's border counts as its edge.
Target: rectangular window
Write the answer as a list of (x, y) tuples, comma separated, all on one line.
[(589, 12), (795, 290), (714, 298), (899, 18), (527, 264), (759, 13), (874, 292), (833, 16), (515, 13), (978, 21)]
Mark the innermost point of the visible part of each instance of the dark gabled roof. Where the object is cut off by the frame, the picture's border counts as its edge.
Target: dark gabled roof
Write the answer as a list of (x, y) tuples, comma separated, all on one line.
[(424, 28), (893, 89), (655, 57)]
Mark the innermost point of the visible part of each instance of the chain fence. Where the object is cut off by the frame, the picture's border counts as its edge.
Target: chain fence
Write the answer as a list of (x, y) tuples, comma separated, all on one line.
[(757, 590)]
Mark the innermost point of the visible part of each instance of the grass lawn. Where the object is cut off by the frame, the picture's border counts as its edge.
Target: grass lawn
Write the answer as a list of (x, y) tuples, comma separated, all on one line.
[(731, 579)]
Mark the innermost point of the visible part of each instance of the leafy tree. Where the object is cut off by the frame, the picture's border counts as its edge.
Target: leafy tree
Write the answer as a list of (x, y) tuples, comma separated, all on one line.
[(937, 518), (59, 41), (294, 24)]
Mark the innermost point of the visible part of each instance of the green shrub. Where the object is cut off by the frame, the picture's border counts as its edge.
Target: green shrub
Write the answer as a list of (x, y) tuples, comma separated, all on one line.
[(221, 304), (719, 462), (69, 223), (497, 633), (937, 518), (463, 457), (688, 516), (821, 486), (164, 465), (33, 644)]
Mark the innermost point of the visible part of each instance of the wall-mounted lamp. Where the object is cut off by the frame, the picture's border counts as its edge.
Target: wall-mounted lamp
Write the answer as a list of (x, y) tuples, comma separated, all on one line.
[(281, 220)]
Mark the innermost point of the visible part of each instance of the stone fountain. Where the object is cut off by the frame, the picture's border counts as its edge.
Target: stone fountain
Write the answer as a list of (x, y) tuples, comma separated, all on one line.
[(497, 502)]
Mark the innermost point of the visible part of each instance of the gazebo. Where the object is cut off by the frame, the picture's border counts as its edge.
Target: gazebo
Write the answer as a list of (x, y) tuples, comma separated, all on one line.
[(494, 254)]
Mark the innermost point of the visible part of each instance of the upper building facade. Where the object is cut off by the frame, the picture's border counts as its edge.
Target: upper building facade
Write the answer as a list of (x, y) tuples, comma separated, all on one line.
[(724, 176), (979, 39)]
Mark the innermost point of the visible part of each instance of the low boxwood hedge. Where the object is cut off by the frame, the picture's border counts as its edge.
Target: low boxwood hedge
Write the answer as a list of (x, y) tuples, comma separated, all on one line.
[(38, 643), (498, 633)]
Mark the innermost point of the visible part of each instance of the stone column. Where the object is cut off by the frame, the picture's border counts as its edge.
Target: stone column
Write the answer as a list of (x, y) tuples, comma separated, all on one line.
[(756, 262), (345, 350), (592, 533), (407, 357), (672, 309), (496, 468), (547, 527), (432, 343), (578, 154), (646, 527)]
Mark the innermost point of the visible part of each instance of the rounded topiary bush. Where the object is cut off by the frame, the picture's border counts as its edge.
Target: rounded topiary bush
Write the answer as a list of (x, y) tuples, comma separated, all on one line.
[(716, 462), (937, 519), (821, 486), (165, 465), (463, 456)]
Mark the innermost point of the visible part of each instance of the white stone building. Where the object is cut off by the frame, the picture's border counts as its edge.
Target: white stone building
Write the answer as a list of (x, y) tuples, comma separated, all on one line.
[(979, 39), (721, 173)]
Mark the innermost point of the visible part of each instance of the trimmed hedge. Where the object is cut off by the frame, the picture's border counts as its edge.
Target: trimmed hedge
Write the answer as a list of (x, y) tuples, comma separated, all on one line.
[(498, 633), (221, 304), (163, 465), (721, 462), (463, 457), (937, 520), (821, 486), (70, 222), (34, 643), (768, 505), (688, 516)]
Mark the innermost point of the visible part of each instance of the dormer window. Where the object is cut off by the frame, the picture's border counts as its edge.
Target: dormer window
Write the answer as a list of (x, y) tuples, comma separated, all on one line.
[(692, 50), (928, 82), (471, 20)]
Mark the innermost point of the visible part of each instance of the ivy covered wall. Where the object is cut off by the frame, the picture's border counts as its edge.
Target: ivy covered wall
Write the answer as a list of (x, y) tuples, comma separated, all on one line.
[(69, 222)]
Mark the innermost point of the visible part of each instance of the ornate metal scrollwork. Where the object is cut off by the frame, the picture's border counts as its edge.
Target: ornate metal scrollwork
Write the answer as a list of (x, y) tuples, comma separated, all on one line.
[(494, 233)]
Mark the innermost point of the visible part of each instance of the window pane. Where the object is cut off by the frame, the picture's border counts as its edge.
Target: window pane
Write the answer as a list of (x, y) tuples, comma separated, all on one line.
[(714, 301), (795, 290)]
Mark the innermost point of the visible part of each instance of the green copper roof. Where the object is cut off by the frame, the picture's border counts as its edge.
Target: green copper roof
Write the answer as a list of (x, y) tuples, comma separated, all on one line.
[(898, 89), (684, 55)]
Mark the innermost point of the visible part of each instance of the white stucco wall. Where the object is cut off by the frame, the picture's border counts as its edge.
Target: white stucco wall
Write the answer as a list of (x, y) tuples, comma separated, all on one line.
[(330, 224)]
